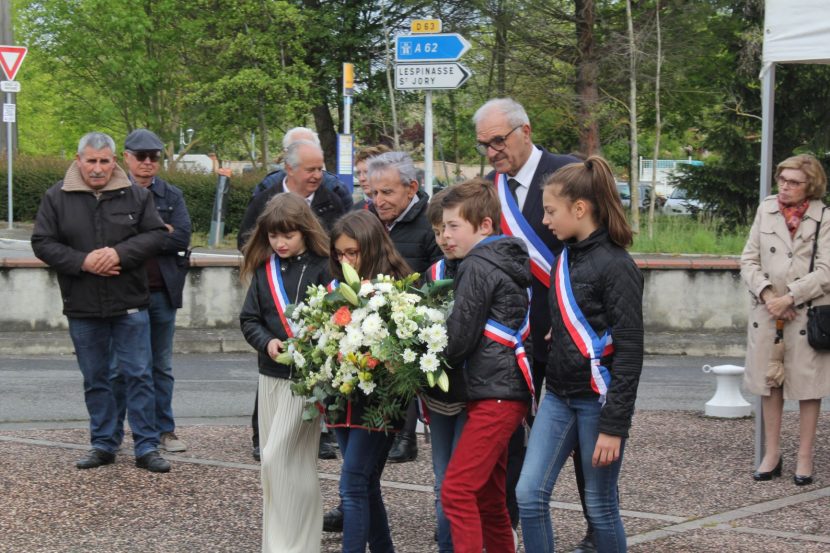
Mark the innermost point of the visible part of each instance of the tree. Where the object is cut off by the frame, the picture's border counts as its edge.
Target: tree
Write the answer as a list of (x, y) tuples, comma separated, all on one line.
[(634, 172), (247, 70)]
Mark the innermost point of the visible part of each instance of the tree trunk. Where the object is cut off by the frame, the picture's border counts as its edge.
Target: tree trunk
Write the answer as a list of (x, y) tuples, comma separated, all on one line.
[(328, 134), (395, 137), (658, 123), (501, 49), (263, 131), (587, 72), (633, 171)]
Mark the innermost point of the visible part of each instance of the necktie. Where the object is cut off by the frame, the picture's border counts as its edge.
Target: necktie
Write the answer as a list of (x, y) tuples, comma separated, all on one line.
[(513, 185)]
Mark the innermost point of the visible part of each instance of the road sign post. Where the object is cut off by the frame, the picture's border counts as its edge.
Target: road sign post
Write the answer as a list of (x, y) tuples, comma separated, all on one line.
[(426, 61), (11, 57)]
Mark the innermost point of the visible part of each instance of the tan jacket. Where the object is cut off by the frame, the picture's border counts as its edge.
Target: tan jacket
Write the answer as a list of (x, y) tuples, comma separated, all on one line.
[(772, 258)]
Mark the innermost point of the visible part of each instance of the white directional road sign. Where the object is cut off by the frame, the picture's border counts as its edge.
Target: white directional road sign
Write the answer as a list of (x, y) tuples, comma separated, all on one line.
[(430, 76), (435, 47)]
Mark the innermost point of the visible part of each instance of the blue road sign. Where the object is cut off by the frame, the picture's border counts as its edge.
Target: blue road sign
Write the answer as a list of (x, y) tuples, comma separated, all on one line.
[(439, 47)]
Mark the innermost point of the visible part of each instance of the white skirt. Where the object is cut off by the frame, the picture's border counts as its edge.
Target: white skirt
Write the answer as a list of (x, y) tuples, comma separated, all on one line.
[(292, 507)]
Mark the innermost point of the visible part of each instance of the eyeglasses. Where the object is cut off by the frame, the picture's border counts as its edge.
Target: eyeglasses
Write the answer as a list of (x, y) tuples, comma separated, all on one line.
[(498, 143), (153, 156), (789, 183), (351, 255)]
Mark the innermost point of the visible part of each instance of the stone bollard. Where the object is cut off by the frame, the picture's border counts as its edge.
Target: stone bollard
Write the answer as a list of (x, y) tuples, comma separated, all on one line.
[(727, 401)]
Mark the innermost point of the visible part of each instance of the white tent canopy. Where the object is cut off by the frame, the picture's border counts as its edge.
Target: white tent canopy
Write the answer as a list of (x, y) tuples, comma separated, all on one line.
[(795, 31)]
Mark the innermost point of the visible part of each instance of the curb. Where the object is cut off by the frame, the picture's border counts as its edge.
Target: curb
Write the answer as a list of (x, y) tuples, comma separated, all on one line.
[(230, 340)]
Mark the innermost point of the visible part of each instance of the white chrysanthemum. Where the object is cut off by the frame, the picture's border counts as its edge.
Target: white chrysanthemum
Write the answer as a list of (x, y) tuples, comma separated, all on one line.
[(365, 289), (399, 318), (372, 325), (359, 314), (409, 356), (351, 341), (435, 337), (422, 310), (376, 302), (411, 299), (429, 362), (384, 287), (367, 386), (299, 360)]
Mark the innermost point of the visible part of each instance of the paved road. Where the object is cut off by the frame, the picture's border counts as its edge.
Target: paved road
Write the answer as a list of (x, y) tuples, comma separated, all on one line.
[(47, 391)]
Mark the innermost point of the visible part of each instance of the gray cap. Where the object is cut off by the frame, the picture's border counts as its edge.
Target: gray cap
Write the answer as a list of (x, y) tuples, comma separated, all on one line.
[(142, 140)]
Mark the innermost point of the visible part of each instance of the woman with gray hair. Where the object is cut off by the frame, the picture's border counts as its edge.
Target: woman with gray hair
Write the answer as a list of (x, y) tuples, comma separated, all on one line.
[(785, 275)]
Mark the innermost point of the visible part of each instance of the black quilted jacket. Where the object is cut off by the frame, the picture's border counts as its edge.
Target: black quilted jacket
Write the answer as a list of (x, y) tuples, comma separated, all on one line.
[(491, 283), (608, 287)]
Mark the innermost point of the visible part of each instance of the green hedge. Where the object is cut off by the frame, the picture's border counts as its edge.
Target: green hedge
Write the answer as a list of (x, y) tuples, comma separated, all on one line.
[(33, 176)]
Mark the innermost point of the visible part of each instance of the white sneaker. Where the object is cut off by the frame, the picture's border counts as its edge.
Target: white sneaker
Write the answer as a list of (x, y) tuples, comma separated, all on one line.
[(515, 539), (171, 443)]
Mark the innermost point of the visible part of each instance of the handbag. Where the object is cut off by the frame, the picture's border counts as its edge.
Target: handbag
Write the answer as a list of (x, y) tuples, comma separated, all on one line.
[(818, 317)]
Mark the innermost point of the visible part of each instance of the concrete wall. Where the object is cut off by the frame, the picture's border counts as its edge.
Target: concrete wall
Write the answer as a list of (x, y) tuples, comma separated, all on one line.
[(678, 298)]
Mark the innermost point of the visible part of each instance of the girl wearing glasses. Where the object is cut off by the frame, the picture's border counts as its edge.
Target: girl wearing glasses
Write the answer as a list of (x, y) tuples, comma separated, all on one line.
[(286, 252), (776, 266), (360, 240)]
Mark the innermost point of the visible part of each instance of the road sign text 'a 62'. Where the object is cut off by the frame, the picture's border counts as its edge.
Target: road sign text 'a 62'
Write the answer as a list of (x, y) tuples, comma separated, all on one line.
[(436, 47)]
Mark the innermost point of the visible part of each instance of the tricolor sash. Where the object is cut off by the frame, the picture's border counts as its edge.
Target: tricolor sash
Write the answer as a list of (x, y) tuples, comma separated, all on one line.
[(278, 293), (590, 345), (514, 339), (332, 286), (438, 270), (513, 223)]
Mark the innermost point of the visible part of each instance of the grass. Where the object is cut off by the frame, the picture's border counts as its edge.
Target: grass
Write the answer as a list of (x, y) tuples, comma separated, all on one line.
[(672, 235), (677, 235)]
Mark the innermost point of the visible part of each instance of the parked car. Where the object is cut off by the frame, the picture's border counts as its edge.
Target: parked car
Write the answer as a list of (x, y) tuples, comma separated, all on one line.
[(679, 204), (624, 190)]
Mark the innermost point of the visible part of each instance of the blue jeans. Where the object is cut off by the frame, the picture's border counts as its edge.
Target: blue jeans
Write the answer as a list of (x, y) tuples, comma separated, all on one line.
[(129, 337), (560, 424), (445, 431), (364, 515), (162, 326)]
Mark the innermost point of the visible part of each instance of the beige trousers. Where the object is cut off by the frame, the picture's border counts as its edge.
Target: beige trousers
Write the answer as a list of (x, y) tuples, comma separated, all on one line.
[(292, 507)]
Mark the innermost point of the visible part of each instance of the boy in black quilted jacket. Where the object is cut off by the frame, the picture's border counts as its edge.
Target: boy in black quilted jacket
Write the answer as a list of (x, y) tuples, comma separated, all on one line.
[(491, 373)]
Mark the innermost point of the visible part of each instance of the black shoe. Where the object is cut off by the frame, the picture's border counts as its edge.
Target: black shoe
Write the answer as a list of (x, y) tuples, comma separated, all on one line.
[(94, 459), (587, 545), (404, 448), (255, 452), (153, 462), (327, 450), (802, 480), (333, 520), (759, 476)]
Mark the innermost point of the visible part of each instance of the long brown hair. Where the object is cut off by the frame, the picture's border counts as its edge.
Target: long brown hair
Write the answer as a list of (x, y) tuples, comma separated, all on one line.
[(286, 212), (377, 252), (592, 181)]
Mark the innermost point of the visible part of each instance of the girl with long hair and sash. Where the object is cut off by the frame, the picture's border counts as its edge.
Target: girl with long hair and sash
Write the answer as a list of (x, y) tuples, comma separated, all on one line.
[(595, 359), (287, 251)]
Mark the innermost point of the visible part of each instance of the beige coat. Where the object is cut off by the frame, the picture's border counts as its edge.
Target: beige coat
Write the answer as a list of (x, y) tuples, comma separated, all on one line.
[(772, 258)]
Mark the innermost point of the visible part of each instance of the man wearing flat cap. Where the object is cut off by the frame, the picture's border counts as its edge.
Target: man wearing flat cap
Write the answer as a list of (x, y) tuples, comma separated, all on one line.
[(96, 231), (166, 275)]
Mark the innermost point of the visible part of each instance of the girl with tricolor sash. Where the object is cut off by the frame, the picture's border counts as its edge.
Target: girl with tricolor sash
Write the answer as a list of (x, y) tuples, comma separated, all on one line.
[(286, 252), (596, 355)]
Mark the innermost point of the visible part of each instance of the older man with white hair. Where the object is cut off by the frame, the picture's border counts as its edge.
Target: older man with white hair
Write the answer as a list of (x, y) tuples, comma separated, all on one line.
[(330, 180), (96, 231)]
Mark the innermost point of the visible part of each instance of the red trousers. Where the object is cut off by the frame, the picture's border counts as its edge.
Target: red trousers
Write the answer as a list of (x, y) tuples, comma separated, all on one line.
[(473, 493)]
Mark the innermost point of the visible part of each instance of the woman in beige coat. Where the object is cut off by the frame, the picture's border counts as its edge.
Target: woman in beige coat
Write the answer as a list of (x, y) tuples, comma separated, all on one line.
[(775, 266)]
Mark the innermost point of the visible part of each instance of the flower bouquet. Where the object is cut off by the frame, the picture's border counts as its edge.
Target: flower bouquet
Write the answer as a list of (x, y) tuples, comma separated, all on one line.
[(375, 342)]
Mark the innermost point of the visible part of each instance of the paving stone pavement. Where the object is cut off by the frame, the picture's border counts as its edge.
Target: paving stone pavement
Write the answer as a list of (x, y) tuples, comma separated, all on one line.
[(685, 487)]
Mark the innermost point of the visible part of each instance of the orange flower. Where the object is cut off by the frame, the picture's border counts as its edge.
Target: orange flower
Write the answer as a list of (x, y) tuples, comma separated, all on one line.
[(342, 316), (371, 362)]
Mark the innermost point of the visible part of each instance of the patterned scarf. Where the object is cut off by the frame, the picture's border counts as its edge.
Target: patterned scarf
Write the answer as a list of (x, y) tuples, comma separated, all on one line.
[(793, 214)]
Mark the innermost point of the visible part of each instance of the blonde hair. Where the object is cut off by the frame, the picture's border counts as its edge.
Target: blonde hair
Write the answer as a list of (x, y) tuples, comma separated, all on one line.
[(810, 166)]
